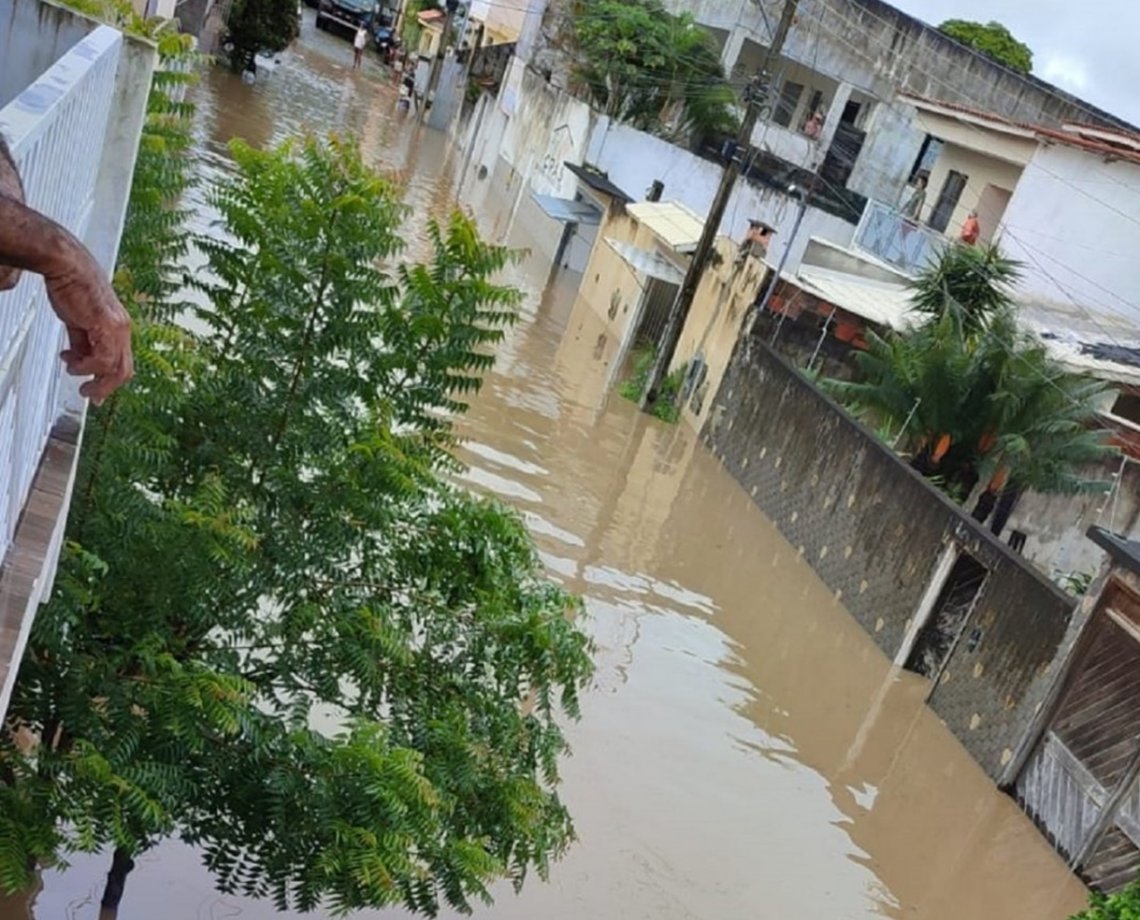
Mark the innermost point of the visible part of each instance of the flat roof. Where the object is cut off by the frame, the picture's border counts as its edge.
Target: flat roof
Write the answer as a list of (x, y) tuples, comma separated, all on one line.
[(671, 221), (1107, 348), (598, 181)]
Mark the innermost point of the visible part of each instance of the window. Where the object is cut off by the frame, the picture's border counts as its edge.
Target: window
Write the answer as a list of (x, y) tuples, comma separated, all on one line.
[(927, 156), (850, 114), (787, 103), (948, 198)]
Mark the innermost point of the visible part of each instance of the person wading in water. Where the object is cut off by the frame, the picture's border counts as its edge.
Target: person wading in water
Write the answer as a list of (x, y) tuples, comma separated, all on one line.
[(358, 43)]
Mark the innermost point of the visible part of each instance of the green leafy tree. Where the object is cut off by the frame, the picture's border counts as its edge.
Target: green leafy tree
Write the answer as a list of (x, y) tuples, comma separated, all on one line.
[(991, 39), (254, 26), (977, 399), (1124, 905), (278, 632), (657, 71)]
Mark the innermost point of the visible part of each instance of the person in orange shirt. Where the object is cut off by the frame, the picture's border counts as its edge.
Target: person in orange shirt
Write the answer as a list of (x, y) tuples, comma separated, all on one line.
[(971, 229)]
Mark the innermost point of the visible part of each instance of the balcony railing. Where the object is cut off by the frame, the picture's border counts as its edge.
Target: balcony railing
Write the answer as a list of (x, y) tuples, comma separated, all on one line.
[(55, 129), (73, 131), (905, 244)]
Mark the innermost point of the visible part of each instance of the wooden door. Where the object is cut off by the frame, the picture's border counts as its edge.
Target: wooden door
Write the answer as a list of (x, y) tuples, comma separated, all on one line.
[(1080, 784)]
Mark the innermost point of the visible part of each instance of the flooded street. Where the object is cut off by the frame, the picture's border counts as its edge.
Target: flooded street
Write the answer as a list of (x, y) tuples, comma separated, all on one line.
[(746, 751)]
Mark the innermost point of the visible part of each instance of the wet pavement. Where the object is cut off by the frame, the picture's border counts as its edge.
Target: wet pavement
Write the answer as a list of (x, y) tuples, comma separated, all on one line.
[(746, 751)]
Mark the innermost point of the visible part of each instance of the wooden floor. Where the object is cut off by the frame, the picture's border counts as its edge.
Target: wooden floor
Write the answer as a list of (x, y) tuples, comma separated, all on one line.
[(27, 569)]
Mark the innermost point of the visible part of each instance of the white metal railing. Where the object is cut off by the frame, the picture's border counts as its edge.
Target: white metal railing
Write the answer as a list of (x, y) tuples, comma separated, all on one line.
[(55, 129), (887, 235)]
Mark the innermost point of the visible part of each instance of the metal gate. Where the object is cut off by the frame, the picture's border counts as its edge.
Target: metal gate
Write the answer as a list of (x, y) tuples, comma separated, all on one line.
[(1080, 783)]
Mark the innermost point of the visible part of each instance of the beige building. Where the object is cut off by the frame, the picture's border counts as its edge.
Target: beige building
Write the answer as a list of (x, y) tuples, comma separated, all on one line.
[(973, 162)]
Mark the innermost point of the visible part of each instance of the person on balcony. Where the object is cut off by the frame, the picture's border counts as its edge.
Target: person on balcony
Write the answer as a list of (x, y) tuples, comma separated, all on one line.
[(813, 127), (98, 328), (971, 229), (912, 209)]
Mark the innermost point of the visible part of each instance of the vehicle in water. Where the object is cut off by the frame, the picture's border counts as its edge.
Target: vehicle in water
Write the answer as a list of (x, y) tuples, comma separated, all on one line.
[(345, 15), (384, 37)]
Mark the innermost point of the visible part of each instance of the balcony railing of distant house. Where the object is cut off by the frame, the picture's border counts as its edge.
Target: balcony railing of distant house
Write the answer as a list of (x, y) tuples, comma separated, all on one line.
[(884, 233), (73, 131)]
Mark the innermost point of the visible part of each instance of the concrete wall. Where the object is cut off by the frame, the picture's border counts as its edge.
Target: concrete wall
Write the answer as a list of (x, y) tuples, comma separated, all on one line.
[(535, 127), (714, 324), (1072, 221), (1055, 525), (880, 49), (505, 20), (634, 159), (56, 30), (609, 286), (873, 530)]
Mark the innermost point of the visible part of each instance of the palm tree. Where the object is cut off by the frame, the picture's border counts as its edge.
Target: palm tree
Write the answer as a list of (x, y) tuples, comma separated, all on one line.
[(972, 283), (974, 397), (1044, 430)]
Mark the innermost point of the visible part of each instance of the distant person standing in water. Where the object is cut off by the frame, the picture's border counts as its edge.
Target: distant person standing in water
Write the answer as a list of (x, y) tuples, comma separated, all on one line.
[(358, 44)]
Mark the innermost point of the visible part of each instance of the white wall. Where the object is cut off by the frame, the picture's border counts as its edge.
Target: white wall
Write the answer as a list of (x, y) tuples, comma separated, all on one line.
[(536, 127), (634, 159), (1074, 220), (33, 36), (506, 19)]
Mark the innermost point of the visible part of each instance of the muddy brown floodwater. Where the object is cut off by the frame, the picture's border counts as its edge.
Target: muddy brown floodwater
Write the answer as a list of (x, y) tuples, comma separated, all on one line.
[(746, 751)]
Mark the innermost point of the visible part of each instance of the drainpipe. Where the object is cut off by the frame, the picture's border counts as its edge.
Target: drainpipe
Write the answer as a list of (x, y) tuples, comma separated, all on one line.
[(792, 190)]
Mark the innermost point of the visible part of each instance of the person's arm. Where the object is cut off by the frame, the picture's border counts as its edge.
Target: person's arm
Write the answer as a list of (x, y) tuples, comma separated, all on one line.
[(98, 328)]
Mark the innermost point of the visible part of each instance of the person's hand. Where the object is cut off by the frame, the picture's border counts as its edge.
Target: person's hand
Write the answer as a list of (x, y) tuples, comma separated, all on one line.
[(10, 187), (98, 328)]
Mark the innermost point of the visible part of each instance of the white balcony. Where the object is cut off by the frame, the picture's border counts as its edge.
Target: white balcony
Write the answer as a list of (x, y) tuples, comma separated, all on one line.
[(904, 244), (73, 130), (793, 146)]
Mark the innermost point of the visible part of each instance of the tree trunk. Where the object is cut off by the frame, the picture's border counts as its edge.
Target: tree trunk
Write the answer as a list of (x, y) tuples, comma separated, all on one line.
[(1007, 501), (121, 865)]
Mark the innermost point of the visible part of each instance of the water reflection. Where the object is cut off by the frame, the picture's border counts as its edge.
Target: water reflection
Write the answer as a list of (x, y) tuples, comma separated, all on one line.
[(745, 750)]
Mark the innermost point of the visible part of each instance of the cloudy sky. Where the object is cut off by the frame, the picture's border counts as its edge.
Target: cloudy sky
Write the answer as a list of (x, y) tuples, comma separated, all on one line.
[(1090, 48)]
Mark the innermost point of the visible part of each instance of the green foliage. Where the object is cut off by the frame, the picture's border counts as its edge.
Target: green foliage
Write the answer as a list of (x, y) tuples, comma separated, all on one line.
[(1076, 583), (1124, 905), (411, 28), (972, 283), (278, 631), (633, 387), (992, 39), (254, 26), (973, 395), (654, 70)]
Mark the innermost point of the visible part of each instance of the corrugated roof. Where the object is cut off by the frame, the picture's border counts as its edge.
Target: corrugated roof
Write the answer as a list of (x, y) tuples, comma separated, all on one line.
[(677, 226), (569, 211), (648, 263), (876, 301), (1069, 335)]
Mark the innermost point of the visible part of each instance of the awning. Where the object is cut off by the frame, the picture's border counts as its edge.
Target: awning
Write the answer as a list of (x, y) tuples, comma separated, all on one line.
[(568, 210), (648, 263), (598, 181), (671, 222)]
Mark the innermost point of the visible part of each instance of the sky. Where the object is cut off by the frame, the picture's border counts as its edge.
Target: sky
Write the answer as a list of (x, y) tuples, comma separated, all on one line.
[(1089, 49)]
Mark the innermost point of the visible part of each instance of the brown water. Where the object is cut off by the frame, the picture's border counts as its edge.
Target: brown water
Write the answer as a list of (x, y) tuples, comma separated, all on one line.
[(746, 752)]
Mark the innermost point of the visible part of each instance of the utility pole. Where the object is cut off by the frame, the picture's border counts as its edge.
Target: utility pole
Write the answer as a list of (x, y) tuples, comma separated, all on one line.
[(756, 96), (451, 6)]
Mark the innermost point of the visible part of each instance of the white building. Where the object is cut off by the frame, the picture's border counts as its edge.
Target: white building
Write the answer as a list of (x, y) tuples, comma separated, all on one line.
[(72, 103)]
